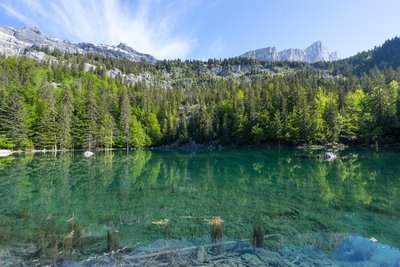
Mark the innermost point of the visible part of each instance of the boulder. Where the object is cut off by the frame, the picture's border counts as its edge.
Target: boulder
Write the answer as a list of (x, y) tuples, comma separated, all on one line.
[(201, 255), (328, 156), (88, 154), (252, 260), (5, 153)]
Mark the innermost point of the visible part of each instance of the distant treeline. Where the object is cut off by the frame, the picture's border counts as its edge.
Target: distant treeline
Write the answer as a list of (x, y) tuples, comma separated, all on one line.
[(59, 105)]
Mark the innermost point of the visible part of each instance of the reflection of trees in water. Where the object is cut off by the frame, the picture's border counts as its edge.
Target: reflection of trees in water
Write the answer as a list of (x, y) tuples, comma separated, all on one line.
[(6, 161), (286, 193)]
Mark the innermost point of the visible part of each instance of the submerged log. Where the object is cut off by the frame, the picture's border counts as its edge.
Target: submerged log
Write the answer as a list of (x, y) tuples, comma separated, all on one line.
[(258, 235), (216, 229), (112, 238)]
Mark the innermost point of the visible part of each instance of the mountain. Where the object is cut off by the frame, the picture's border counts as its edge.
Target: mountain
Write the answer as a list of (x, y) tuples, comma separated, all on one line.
[(16, 42), (384, 56), (314, 53)]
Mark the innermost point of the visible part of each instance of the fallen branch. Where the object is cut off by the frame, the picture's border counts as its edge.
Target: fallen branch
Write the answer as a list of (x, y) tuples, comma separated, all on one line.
[(180, 251)]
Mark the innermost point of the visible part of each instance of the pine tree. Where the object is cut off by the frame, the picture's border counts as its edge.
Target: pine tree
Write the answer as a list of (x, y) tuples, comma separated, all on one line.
[(125, 117), (66, 110), (47, 125), (90, 118), (14, 121), (106, 121)]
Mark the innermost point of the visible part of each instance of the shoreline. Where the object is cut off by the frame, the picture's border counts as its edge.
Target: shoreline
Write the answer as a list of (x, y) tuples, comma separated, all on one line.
[(204, 147)]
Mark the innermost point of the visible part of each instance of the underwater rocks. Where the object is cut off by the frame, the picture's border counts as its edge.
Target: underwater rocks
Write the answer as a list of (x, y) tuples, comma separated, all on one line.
[(8, 260), (352, 251)]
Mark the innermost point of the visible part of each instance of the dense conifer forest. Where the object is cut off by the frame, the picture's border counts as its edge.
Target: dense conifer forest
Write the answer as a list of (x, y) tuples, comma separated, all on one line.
[(62, 104)]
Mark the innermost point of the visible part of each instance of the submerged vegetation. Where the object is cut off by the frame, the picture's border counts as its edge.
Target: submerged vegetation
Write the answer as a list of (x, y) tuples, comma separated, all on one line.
[(151, 195), (69, 206), (64, 104)]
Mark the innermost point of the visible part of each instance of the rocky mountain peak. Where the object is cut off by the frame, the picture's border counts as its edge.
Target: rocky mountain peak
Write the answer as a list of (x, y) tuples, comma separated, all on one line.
[(34, 29), (126, 47), (314, 53), (19, 41), (316, 46)]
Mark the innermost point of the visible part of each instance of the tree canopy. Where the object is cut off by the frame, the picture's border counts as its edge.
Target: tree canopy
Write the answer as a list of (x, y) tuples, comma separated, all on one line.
[(59, 105)]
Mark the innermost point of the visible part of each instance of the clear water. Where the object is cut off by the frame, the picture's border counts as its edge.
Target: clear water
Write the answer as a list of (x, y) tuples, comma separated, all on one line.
[(289, 194)]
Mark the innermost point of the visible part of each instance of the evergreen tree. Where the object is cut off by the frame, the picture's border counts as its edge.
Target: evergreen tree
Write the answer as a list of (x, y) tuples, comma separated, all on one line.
[(47, 127), (125, 117), (175, 101), (90, 127), (66, 112), (14, 121)]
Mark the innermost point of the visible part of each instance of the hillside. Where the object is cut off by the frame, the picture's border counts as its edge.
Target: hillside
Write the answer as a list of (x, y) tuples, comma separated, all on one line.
[(72, 100), (386, 56)]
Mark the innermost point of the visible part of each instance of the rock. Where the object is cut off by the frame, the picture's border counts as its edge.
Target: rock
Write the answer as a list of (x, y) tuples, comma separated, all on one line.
[(270, 257), (252, 259), (131, 78), (87, 67), (40, 56), (314, 53), (18, 41), (8, 260), (201, 255), (88, 154), (5, 153), (328, 156)]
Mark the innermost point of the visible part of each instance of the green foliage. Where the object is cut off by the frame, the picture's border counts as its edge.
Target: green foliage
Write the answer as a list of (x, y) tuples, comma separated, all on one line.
[(6, 142), (46, 132), (138, 138), (61, 106), (152, 128), (66, 115)]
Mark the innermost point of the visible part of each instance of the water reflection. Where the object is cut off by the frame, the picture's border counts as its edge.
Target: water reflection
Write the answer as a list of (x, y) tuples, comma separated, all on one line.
[(288, 194)]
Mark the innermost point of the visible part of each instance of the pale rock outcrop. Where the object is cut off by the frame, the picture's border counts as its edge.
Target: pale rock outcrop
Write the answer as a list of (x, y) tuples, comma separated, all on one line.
[(314, 53), (19, 41)]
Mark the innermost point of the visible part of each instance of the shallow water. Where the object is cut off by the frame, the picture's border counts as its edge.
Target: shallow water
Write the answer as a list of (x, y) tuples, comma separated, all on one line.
[(289, 194)]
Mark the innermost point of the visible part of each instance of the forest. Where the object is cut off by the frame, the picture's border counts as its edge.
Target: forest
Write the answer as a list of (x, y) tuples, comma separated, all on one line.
[(60, 105)]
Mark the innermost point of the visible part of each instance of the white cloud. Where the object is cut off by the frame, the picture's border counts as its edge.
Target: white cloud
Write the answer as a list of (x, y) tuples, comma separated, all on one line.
[(14, 13), (148, 26)]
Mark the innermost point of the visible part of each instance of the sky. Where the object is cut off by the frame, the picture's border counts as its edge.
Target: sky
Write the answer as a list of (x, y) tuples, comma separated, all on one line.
[(203, 29)]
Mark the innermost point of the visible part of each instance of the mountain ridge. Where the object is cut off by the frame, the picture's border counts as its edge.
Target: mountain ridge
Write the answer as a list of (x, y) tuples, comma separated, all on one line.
[(18, 41), (316, 52)]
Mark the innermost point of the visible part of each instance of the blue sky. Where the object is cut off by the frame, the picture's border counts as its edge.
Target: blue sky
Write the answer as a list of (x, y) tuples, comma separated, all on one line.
[(202, 29)]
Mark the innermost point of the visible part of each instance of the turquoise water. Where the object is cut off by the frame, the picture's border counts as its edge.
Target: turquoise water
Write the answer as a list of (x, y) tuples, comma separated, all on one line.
[(290, 195)]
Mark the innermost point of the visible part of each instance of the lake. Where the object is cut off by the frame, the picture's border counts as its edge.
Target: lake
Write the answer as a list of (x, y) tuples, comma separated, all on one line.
[(291, 195)]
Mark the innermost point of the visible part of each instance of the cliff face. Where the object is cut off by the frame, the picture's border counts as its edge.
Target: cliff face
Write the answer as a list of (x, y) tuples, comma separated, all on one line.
[(314, 53), (16, 42)]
